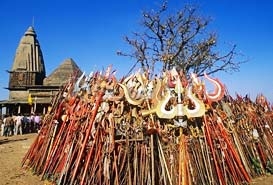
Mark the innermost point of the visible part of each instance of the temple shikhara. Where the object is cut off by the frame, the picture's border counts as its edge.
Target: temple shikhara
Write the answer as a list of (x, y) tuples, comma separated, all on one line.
[(164, 129), (30, 90)]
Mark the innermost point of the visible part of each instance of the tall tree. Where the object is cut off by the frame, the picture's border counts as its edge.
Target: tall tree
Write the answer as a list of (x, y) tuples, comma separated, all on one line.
[(179, 40)]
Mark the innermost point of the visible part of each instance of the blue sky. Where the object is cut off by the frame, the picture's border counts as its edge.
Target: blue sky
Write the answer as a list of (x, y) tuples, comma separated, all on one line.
[(91, 31)]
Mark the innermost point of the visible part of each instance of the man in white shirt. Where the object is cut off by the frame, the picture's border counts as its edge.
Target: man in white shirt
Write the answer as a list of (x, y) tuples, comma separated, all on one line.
[(18, 124)]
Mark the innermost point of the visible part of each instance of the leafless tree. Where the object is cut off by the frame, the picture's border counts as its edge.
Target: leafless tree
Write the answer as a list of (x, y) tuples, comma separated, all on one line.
[(179, 40)]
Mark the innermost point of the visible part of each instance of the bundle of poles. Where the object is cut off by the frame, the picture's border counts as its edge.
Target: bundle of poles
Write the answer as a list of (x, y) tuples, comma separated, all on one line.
[(165, 130)]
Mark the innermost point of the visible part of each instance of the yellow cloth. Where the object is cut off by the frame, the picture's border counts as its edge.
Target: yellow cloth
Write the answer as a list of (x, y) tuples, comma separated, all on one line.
[(29, 99)]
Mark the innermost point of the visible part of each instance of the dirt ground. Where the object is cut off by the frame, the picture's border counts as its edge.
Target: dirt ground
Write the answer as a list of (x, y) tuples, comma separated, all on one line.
[(13, 149)]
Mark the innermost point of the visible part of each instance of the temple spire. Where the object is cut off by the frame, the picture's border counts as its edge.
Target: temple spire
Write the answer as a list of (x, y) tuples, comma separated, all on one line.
[(29, 60)]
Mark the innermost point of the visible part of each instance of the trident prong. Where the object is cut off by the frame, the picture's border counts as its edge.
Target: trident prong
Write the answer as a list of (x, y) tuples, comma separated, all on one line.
[(199, 107), (77, 84), (218, 92), (128, 96), (161, 108)]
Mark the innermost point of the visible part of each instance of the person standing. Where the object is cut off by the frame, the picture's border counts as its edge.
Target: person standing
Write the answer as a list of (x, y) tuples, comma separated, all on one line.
[(18, 124), (31, 126), (37, 121), (9, 126), (26, 124), (3, 126)]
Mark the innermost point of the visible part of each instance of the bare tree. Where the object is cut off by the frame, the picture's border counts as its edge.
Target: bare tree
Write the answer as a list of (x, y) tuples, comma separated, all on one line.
[(179, 40)]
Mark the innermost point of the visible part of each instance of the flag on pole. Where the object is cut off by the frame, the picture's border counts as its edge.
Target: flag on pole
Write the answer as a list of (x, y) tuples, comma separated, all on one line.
[(29, 99)]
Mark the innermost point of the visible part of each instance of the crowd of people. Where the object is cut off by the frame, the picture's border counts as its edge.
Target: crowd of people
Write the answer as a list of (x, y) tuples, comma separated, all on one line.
[(20, 124)]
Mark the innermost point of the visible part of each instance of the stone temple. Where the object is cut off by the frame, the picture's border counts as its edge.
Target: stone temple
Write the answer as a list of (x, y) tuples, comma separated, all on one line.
[(30, 90)]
